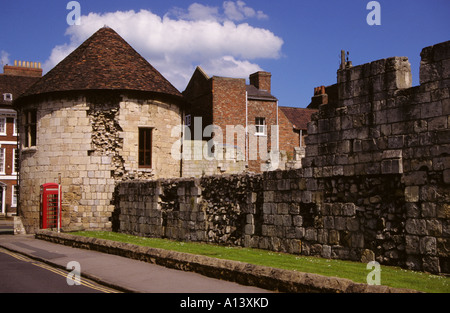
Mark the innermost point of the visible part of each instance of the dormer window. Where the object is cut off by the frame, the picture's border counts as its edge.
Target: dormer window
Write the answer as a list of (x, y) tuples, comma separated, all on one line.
[(8, 97)]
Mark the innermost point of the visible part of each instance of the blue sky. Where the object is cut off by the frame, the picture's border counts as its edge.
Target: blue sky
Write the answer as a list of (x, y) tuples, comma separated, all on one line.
[(299, 42)]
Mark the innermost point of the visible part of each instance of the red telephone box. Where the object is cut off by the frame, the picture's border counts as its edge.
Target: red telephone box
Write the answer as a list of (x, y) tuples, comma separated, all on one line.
[(50, 206)]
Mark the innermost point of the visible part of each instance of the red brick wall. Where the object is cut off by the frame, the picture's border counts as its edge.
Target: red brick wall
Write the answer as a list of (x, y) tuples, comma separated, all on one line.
[(198, 94), (22, 71), (9, 163), (262, 81), (222, 101), (228, 103), (289, 139), (268, 110)]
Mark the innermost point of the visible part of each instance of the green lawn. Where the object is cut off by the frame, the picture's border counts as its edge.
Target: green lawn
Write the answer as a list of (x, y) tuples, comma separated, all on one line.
[(355, 271)]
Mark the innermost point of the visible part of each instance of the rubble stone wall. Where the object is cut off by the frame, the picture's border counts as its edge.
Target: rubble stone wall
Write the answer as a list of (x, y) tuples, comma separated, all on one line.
[(374, 183)]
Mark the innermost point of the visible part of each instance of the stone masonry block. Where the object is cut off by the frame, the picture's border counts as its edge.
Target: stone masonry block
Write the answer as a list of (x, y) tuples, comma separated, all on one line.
[(412, 194)]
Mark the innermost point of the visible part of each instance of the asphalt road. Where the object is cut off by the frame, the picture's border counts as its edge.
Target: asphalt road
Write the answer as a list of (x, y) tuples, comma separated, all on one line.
[(19, 274)]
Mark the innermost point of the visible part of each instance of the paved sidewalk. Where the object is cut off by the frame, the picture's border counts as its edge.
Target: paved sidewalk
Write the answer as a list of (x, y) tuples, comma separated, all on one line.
[(120, 272), (6, 226)]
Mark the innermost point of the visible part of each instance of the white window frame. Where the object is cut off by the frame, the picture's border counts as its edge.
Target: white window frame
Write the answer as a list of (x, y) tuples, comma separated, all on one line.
[(259, 126), (8, 97), (2, 164), (14, 167), (14, 196), (15, 127), (3, 122)]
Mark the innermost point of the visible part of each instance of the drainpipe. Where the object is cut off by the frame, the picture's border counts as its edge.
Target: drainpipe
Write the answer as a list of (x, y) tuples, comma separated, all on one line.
[(59, 202), (278, 131), (183, 119), (246, 126), (301, 138)]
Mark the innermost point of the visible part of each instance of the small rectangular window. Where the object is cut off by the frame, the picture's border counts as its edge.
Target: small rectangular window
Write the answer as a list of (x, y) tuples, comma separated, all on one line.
[(3, 126), (187, 121), (14, 196), (8, 97), (260, 123), (30, 129), (15, 161), (145, 147), (15, 127), (2, 161)]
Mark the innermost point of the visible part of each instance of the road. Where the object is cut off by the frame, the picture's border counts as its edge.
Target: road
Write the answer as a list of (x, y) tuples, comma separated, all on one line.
[(19, 274), (124, 273)]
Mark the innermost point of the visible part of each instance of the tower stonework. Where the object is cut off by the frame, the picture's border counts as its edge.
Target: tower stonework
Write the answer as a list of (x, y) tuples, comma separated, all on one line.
[(83, 124)]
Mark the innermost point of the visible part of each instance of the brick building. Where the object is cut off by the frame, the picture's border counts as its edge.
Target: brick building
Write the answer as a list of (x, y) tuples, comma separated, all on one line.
[(251, 114), (13, 82), (104, 114), (293, 123)]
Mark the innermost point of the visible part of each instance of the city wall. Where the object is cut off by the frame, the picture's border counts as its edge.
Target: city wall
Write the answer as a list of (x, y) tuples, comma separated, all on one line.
[(374, 183)]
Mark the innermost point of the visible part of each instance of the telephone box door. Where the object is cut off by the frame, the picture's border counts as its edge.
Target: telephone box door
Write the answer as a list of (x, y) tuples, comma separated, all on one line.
[(49, 206)]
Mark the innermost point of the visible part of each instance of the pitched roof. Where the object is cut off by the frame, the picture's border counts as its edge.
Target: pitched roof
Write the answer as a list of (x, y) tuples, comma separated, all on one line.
[(14, 85), (258, 94), (299, 117), (105, 61)]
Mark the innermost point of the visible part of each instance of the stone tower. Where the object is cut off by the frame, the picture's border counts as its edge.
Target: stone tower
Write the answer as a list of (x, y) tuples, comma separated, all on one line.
[(102, 115)]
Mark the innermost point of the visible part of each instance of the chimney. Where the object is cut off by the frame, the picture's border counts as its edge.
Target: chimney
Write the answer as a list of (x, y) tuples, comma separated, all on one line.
[(22, 68), (261, 80), (345, 63)]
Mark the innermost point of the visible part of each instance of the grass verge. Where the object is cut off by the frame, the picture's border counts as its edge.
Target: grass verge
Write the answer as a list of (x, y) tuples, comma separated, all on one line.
[(355, 271)]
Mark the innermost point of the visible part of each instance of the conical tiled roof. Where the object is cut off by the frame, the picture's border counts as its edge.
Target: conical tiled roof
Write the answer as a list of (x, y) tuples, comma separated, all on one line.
[(105, 61)]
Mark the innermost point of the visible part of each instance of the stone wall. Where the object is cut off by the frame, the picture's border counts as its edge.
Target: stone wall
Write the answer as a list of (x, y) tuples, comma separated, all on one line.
[(196, 165), (374, 183), (87, 185), (384, 146)]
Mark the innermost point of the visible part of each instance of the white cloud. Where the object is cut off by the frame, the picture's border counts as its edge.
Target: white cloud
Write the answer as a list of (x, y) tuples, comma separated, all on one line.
[(238, 11), (4, 57), (197, 12), (228, 66), (181, 40)]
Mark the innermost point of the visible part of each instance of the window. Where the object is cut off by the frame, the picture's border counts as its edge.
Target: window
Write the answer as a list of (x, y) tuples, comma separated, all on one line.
[(2, 161), (30, 129), (15, 161), (14, 196), (260, 123), (3, 126), (15, 127), (7, 97), (145, 147), (187, 120)]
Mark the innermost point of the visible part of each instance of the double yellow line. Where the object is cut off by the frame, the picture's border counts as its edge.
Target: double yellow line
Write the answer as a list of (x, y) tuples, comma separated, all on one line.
[(82, 281)]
